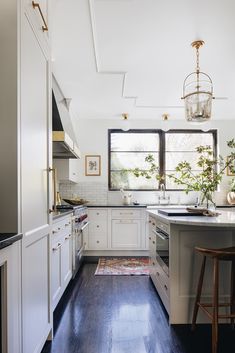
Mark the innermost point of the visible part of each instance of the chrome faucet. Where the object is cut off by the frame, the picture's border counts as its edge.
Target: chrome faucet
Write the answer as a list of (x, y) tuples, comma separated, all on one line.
[(162, 196), (163, 189)]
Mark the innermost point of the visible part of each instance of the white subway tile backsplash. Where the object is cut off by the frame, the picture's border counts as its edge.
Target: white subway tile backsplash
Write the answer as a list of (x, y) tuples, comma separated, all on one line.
[(97, 193)]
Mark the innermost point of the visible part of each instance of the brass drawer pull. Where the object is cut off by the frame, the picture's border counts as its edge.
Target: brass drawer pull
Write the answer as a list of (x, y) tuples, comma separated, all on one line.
[(68, 236), (36, 5)]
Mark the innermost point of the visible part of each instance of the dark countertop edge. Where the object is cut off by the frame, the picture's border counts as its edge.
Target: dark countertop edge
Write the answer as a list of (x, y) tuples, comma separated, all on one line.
[(9, 239), (117, 206), (59, 214)]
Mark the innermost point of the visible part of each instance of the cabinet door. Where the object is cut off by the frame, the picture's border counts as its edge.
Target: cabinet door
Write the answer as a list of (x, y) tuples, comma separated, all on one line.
[(37, 16), (35, 220), (66, 260), (126, 234), (56, 285)]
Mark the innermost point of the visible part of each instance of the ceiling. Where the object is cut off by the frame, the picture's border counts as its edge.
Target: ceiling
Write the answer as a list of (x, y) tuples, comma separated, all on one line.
[(132, 56)]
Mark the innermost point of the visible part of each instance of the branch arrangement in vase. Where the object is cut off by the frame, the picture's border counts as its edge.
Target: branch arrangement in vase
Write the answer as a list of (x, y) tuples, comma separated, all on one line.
[(205, 181)]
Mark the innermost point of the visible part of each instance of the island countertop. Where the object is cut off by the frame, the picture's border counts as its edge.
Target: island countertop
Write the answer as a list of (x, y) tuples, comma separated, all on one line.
[(225, 219)]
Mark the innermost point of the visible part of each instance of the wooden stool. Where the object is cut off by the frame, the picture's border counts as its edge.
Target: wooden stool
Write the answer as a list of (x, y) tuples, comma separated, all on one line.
[(225, 254)]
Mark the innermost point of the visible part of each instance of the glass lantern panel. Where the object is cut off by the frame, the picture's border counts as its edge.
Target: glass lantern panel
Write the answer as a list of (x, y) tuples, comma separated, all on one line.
[(198, 107)]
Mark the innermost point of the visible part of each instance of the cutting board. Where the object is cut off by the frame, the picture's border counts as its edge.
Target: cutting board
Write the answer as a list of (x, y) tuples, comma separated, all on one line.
[(177, 212)]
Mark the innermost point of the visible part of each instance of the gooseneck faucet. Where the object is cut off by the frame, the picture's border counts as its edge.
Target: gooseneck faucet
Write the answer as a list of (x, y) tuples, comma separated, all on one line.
[(163, 190), (162, 196)]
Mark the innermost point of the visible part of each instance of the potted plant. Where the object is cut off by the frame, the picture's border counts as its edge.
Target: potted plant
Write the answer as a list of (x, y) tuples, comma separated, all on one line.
[(231, 193)]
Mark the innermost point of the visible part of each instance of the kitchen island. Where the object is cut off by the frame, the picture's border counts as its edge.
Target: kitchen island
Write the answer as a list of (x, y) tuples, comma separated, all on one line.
[(175, 277)]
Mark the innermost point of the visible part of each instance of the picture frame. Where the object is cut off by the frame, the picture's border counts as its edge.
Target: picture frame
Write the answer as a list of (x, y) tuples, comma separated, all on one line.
[(92, 165), (231, 169)]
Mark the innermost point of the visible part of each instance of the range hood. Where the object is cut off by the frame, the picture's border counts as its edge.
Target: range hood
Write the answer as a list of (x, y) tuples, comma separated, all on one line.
[(63, 137)]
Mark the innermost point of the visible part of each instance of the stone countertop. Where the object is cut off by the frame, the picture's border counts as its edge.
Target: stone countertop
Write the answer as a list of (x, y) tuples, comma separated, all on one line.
[(225, 219), (61, 213), (7, 239)]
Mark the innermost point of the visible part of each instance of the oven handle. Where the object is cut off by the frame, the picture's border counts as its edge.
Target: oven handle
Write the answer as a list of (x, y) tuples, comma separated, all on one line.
[(161, 235), (85, 225)]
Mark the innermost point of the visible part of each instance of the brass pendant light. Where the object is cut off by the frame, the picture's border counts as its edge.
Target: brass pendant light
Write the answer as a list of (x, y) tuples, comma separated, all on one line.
[(198, 92)]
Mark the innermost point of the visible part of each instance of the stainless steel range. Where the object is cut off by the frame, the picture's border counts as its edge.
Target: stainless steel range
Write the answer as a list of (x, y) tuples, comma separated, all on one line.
[(79, 227)]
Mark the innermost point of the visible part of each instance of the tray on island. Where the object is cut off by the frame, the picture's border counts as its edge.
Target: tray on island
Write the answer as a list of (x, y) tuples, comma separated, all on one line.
[(181, 211)]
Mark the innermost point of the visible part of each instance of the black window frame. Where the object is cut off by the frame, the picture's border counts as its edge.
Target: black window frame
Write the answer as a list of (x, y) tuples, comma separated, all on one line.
[(162, 150)]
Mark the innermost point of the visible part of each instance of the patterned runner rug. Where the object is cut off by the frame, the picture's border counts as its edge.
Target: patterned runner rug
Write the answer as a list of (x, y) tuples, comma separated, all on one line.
[(123, 266)]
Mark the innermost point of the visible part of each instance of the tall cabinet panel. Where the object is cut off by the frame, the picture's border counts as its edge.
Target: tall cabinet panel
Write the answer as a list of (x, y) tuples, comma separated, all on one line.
[(35, 202)]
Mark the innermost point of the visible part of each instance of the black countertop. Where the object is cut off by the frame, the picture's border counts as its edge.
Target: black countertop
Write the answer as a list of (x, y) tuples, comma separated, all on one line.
[(7, 239), (118, 206), (61, 213)]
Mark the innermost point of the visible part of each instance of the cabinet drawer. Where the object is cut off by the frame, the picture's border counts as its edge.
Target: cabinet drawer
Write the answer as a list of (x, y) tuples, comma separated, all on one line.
[(162, 277), (62, 227), (126, 213), (95, 215), (98, 228), (97, 243)]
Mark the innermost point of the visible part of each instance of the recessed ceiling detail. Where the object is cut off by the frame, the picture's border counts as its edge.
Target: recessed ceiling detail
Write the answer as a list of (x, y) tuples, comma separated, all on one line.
[(112, 56), (122, 73)]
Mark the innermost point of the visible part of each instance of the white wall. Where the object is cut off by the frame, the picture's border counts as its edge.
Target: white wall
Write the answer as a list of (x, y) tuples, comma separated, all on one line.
[(92, 137)]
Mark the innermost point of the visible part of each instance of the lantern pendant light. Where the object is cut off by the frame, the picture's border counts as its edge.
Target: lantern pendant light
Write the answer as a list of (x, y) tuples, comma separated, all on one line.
[(198, 92)]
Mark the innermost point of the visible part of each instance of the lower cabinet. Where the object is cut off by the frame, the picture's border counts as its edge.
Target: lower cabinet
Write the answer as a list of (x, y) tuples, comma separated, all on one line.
[(157, 274), (116, 229), (61, 258), (126, 234), (10, 274)]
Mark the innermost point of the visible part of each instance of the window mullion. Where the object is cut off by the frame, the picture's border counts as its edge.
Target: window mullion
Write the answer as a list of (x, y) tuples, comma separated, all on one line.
[(162, 154)]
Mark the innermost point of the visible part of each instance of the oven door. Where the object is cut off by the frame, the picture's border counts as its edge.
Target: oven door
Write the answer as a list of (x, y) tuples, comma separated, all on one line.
[(162, 249), (78, 246)]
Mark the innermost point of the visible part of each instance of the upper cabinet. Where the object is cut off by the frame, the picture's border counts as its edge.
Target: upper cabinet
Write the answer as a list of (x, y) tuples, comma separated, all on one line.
[(38, 11), (66, 169)]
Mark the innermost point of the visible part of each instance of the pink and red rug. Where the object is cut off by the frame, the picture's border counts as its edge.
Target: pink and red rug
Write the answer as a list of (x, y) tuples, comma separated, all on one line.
[(123, 266)]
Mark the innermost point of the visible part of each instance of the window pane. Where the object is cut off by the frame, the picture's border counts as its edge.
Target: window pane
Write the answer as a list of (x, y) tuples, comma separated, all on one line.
[(134, 141), (170, 183), (181, 147), (174, 158), (121, 160), (187, 141), (129, 181)]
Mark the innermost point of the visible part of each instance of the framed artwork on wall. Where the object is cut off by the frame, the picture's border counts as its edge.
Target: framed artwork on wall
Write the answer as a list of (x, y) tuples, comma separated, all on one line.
[(92, 165), (231, 169)]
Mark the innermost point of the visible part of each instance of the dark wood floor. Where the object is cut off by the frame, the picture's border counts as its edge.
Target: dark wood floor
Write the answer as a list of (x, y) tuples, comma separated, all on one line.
[(123, 314)]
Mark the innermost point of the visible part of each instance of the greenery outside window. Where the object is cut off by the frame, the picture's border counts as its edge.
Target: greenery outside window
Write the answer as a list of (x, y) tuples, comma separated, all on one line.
[(128, 150)]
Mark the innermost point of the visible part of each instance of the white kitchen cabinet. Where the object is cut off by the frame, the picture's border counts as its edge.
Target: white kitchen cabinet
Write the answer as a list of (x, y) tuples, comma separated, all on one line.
[(25, 103), (10, 267), (61, 258), (39, 17), (66, 169), (126, 234), (97, 238), (35, 154), (113, 230)]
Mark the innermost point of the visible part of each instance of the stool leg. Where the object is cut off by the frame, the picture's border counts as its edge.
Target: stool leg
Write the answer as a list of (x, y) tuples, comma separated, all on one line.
[(233, 292), (199, 292), (215, 306)]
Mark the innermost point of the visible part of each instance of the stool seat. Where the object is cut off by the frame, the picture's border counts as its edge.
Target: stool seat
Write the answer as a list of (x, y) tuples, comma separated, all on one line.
[(222, 253), (217, 255)]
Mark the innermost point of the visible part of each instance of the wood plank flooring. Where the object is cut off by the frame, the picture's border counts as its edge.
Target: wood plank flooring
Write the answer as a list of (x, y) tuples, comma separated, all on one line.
[(123, 314)]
